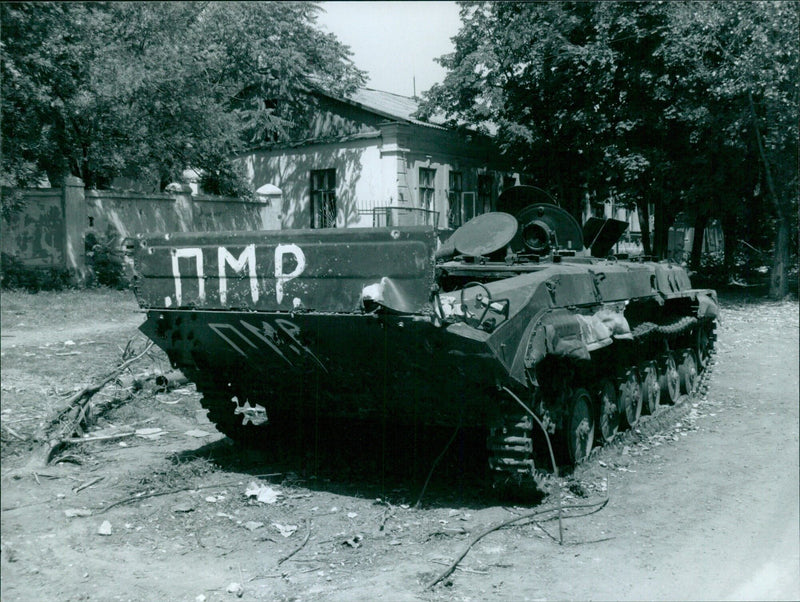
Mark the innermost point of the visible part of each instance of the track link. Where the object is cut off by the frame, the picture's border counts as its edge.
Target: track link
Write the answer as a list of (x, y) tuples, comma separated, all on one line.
[(510, 445)]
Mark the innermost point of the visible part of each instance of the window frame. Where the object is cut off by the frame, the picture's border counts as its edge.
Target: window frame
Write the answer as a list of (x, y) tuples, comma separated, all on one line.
[(455, 191), (427, 188), (323, 198), (485, 196)]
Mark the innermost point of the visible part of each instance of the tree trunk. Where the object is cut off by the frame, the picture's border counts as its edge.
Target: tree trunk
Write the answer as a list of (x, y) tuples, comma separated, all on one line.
[(700, 223), (644, 224), (731, 236), (664, 219), (778, 286), (657, 228)]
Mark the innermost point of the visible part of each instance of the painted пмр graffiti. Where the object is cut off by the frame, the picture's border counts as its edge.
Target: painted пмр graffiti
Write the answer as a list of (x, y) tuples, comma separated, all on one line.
[(225, 259), (282, 337)]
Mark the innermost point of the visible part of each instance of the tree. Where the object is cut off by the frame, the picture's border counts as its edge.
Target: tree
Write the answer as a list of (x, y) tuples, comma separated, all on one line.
[(561, 81), (746, 58), (148, 89), (643, 102)]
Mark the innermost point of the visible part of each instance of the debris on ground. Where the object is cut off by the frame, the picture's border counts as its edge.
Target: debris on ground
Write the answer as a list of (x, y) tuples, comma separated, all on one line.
[(285, 530), (236, 588), (150, 433), (73, 512), (264, 494), (354, 541), (197, 433), (71, 421)]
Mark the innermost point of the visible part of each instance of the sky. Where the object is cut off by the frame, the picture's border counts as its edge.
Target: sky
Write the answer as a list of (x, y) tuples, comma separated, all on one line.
[(394, 42)]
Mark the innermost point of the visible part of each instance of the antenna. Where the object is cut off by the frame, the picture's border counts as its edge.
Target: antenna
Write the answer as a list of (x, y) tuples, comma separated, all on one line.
[(414, 75)]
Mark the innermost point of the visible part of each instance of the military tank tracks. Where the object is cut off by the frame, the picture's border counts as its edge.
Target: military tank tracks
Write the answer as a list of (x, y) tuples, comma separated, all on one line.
[(663, 363), (582, 407)]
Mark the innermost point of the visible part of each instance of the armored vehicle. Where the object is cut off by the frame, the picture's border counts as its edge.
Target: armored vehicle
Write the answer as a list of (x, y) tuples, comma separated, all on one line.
[(521, 314)]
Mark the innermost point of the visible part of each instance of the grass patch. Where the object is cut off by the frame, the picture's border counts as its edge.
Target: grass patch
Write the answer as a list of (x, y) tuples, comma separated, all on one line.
[(64, 307), (176, 473)]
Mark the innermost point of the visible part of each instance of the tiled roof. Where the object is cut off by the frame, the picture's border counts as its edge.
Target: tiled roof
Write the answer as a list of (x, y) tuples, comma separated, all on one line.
[(390, 105)]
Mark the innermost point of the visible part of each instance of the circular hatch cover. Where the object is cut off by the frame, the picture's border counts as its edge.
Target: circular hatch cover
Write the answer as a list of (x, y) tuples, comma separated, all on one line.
[(484, 234)]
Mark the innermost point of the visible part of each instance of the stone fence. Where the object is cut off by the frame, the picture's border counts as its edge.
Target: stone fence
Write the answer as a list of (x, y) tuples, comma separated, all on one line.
[(51, 228)]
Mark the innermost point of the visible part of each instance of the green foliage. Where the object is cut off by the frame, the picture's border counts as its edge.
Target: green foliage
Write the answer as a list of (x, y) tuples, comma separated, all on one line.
[(15, 275), (229, 179), (105, 260), (147, 89), (13, 201), (645, 102), (711, 272)]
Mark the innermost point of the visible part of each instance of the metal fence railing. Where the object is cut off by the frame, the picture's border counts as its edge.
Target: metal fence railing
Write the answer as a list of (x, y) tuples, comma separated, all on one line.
[(386, 217)]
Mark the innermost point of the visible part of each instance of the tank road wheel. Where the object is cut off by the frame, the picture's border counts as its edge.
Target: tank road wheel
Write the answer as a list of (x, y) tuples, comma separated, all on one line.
[(607, 410), (703, 346), (629, 399), (687, 370), (651, 391), (580, 429), (668, 379)]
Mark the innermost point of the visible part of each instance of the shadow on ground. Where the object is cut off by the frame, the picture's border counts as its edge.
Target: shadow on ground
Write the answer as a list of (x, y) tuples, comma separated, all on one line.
[(388, 462)]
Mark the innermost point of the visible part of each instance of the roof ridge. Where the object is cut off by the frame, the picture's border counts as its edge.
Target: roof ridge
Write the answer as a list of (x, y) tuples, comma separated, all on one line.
[(414, 98)]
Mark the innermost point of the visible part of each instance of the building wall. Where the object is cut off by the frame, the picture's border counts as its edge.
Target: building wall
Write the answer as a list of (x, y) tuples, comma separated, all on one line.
[(470, 167), (446, 151), (125, 214), (373, 169), (213, 214), (360, 179)]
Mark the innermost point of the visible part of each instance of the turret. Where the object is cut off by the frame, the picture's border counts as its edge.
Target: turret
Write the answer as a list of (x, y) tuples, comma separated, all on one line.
[(530, 223)]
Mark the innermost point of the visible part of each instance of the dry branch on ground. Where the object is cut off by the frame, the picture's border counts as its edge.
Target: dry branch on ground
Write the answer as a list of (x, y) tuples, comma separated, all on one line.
[(75, 414)]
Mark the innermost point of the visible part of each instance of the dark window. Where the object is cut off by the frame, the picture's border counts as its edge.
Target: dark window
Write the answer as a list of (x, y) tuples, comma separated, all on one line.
[(484, 193), (455, 210), (468, 200), (509, 181), (323, 198), (427, 179)]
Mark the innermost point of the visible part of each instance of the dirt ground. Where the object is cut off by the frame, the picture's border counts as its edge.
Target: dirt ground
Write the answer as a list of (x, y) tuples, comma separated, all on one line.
[(703, 497)]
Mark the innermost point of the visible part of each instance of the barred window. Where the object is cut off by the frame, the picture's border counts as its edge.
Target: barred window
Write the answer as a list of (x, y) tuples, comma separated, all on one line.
[(323, 198), (455, 210), (427, 179), (485, 200)]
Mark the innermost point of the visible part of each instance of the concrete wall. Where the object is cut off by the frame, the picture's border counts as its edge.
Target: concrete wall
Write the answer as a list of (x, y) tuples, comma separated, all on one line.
[(36, 234), (51, 228), (126, 213), (213, 214)]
